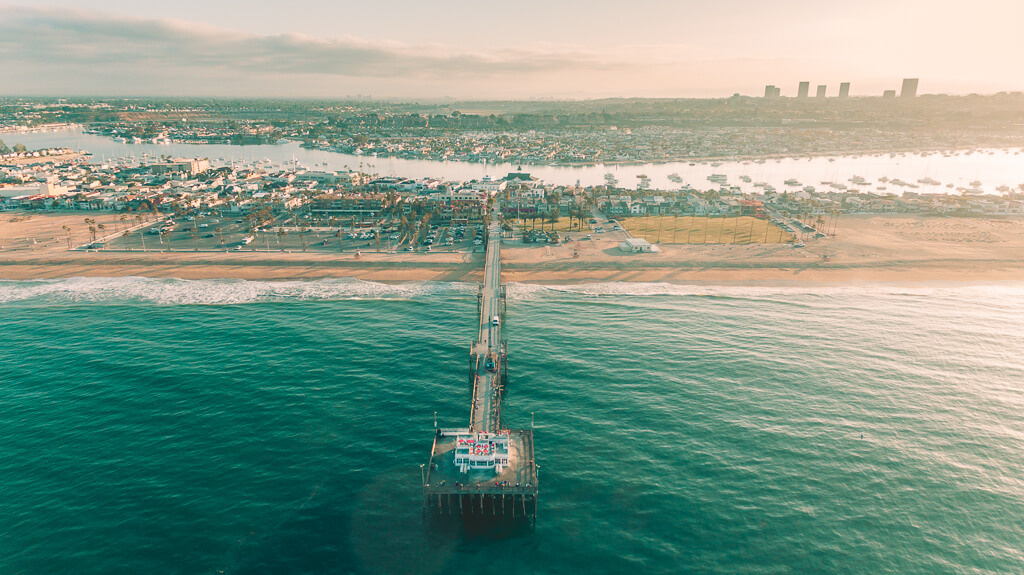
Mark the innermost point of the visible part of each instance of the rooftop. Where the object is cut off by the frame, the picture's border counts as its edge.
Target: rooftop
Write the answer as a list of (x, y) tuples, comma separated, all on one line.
[(472, 462)]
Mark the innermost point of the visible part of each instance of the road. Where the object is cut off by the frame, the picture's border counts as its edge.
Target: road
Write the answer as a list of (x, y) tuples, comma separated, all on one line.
[(484, 415)]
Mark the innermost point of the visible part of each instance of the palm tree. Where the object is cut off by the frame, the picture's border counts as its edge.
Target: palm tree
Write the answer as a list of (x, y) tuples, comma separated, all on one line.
[(124, 218), (220, 234), (142, 237), (128, 237), (195, 239), (92, 231), (280, 234), (67, 232), (302, 237), (337, 234)]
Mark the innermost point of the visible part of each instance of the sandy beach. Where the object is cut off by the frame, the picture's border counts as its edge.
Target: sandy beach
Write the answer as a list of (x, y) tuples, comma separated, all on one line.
[(867, 248)]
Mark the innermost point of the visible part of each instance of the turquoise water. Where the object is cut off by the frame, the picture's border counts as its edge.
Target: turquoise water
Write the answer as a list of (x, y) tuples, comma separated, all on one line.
[(170, 426)]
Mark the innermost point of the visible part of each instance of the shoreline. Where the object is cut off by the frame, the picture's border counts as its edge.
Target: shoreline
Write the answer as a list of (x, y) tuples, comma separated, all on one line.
[(560, 273), (846, 154), (611, 163)]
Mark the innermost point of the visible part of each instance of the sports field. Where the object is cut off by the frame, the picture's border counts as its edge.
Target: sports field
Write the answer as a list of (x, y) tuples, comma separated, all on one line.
[(705, 230)]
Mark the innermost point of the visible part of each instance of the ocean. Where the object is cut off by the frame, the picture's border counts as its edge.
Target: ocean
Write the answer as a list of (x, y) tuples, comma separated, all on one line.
[(227, 426)]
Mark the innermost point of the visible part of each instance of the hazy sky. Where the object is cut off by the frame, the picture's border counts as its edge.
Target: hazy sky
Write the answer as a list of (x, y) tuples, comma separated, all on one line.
[(529, 48)]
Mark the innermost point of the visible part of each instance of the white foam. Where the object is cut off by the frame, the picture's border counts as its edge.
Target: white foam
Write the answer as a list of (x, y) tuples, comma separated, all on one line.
[(173, 291), (520, 291)]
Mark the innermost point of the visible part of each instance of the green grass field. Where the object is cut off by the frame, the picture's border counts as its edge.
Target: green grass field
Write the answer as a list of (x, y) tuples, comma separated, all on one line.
[(704, 230)]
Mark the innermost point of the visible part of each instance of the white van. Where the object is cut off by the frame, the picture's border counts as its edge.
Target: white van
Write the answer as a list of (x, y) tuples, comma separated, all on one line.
[(494, 320)]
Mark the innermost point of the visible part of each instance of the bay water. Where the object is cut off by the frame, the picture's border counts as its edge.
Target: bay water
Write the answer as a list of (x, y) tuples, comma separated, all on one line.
[(985, 170)]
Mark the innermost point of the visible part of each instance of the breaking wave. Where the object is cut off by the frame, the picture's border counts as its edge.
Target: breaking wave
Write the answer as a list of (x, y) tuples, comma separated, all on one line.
[(520, 291), (172, 291)]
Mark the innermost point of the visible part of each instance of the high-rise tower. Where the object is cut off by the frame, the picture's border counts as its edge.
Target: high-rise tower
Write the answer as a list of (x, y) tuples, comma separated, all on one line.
[(909, 89)]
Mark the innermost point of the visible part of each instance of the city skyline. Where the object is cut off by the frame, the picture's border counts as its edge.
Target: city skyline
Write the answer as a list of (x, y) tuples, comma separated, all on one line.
[(317, 49)]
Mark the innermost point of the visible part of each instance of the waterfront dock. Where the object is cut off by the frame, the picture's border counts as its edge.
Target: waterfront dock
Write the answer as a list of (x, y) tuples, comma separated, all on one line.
[(484, 470)]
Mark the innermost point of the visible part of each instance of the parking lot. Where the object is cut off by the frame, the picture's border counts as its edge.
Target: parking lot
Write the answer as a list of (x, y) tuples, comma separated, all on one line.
[(213, 232)]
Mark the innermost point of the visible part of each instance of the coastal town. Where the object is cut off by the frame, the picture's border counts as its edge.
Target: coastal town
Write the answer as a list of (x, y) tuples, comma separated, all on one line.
[(188, 204), (619, 131)]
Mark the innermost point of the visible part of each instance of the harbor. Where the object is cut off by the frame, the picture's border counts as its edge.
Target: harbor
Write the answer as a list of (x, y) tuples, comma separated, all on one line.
[(995, 167)]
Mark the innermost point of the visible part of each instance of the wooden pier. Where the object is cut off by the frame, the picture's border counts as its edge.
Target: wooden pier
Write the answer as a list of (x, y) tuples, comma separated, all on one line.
[(484, 471)]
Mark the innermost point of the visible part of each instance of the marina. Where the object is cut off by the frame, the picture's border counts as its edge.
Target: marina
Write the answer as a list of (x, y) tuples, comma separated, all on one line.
[(955, 169)]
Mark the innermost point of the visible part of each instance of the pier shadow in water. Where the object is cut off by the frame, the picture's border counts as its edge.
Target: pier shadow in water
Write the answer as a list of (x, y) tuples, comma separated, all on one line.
[(475, 528)]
